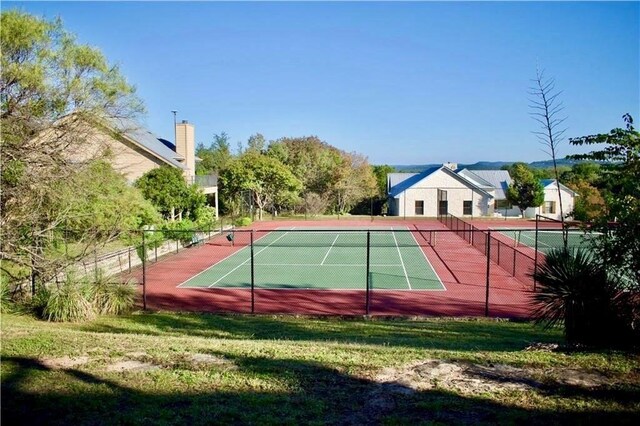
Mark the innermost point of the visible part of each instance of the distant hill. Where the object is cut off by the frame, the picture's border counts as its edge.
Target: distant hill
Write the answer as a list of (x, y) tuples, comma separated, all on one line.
[(486, 165)]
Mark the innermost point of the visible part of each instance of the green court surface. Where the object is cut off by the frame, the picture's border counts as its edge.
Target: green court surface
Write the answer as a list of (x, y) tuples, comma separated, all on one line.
[(548, 240), (324, 259)]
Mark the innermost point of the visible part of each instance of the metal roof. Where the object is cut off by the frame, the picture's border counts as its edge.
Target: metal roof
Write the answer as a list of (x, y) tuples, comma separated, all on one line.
[(143, 137), (498, 179)]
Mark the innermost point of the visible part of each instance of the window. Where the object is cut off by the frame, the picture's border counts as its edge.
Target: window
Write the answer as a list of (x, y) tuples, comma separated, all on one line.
[(443, 205), (419, 207), (549, 207), (467, 208), (502, 205)]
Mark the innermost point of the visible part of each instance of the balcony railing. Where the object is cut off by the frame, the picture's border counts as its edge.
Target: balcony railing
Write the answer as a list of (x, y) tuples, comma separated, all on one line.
[(203, 181)]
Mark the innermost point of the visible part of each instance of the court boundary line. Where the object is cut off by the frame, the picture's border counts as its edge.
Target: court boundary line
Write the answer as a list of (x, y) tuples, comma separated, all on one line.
[(218, 262), (401, 260), (287, 229), (263, 249), (444, 288), (329, 251)]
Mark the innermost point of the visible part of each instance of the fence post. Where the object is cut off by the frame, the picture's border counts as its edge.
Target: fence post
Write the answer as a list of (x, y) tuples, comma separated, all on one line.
[(535, 260), (514, 262), (368, 287), (486, 303), (144, 272), (252, 277)]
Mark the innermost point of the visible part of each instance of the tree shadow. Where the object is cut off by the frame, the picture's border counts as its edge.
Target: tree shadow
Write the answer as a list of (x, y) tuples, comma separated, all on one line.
[(315, 394)]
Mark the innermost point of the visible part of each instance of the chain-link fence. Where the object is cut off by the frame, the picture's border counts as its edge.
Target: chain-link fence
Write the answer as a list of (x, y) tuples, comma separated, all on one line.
[(449, 267)]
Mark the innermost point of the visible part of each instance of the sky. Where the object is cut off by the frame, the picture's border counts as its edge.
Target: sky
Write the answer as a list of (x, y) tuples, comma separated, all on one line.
[(401, 83)]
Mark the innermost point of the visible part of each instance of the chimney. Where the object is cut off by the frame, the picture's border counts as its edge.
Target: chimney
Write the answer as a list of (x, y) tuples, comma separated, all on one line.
[(451, 166), (186, 146)]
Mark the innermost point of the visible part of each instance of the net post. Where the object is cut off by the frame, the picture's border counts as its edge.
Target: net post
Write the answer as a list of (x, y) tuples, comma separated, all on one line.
[(368, 283), (253, 283), (486, 303), (535, 260), (144, 272)]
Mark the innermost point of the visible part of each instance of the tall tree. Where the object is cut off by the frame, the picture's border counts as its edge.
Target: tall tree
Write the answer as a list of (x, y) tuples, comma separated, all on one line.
[(620, 246), (546, 111), (270, 182), (525, 191), (51, 87), (215, 157)]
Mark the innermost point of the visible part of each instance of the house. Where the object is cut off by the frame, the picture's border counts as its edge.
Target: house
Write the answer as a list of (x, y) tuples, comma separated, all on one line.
[(551, 206), (446, 189), (134, 150), (435, 191), (495, 182)]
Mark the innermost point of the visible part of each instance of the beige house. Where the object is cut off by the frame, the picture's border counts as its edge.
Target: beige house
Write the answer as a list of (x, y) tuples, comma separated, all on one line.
[(134, 150)]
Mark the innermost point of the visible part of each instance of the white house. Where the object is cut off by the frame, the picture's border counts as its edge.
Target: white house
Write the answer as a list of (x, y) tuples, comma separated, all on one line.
[(495, 182), (443, 189), (438, 190), (551, 206)]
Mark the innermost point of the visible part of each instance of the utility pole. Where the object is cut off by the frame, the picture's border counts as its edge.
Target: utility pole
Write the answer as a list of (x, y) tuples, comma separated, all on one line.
[(175, 131)]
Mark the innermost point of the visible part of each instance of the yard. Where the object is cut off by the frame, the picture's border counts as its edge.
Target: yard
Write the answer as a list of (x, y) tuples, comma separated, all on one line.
[(168, 368)]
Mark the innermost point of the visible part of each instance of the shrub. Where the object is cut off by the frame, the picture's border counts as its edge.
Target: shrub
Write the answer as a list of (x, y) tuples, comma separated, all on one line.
[(575, 288), (243, 221), (68, 301), (182, 231), (110, 297)]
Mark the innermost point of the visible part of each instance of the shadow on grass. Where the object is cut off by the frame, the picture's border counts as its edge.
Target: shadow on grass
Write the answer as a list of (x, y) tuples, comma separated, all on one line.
[(462, 335), (314, 394)]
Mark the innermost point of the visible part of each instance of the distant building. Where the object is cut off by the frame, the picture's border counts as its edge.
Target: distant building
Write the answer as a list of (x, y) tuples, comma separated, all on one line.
[(446, 189)]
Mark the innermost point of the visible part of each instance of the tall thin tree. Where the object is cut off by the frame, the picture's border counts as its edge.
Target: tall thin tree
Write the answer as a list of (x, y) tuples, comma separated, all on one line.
[(546, 110)]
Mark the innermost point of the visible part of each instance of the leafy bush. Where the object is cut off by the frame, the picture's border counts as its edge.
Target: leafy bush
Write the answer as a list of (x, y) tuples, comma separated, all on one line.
[(111, 298), (243, 221), (6, 302), (182, 231), (68, 301), (575, 288)]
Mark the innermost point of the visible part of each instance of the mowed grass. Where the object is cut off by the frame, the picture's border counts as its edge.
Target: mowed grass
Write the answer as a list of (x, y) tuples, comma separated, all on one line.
[(212, 369)]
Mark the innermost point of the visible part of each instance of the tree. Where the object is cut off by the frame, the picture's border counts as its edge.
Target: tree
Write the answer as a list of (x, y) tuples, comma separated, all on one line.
[(380, 172), (50, 87), (166, 188), (353, 182), (620, 223), (256, 143), (525, 191), (214, 158), (270, 182), (546, 110)]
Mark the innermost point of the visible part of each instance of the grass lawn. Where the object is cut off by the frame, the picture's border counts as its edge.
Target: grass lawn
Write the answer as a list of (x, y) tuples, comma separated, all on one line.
[(167, 368)]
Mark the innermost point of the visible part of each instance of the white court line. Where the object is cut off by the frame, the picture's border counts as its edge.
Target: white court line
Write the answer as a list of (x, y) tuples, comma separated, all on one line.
[(401, 261), (328, 265), (429, 263), (264, 248), (328, 251), (220, 261)]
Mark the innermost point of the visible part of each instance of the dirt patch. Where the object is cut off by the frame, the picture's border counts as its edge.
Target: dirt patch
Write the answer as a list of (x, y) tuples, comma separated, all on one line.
[(208, 359), (582, 379), (65, 362), (131, 365)]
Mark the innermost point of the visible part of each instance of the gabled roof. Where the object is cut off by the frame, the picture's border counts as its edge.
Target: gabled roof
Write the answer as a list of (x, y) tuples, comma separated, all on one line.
[(142, 137), (414, 178), (410, 180), (549, 182), (499, 180)]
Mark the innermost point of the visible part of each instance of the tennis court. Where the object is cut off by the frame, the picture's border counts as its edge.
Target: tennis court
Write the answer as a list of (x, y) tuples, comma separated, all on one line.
[(313, 258), (549, 240)]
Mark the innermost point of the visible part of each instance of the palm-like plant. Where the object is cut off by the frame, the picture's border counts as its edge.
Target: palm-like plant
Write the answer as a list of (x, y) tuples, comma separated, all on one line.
[(575, 288)]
